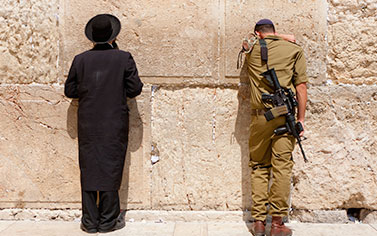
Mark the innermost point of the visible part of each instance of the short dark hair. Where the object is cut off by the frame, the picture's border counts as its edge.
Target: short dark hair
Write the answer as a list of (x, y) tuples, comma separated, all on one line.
[(265, 28)]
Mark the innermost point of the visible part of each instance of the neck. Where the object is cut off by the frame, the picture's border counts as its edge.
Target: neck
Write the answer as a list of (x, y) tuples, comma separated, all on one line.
[(102, 46), (263, 35)]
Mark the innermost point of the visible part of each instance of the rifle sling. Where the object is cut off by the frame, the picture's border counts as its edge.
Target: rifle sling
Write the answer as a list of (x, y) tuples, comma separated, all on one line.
[(263, 51)]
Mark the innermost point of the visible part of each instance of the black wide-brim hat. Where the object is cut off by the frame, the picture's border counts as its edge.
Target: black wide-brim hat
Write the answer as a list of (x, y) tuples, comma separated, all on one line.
[(108, 25)]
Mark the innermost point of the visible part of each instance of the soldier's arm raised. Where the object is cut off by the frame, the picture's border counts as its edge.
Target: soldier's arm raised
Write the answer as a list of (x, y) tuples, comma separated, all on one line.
[(288, 37)]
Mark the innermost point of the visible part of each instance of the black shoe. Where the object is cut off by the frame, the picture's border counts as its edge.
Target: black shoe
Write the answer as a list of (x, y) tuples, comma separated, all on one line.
[(120, 223), (90, 231)]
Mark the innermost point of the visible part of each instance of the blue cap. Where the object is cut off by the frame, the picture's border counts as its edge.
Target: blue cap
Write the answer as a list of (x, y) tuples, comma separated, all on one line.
[(264, 22)]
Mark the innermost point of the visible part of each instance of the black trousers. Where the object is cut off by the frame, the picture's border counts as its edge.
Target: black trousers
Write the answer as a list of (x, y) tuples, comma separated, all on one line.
[(102, 216)]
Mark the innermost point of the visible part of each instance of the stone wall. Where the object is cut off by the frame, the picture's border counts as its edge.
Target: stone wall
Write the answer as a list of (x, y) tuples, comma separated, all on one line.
[(194, 109), (29, 42), (351, 41)]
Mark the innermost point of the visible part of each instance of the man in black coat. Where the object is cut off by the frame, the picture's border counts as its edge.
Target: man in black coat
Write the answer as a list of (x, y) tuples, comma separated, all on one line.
[(102, 78)]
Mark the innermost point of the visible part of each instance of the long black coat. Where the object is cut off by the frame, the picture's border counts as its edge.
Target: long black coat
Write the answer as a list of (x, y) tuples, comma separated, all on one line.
[(101, 79)]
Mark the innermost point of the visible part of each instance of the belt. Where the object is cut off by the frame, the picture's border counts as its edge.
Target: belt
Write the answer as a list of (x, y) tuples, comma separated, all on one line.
[(258, 112)]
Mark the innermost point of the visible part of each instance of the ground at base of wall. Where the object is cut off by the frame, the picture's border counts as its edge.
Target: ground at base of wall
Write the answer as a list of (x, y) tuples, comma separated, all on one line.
[(63, 228), (307, 216)]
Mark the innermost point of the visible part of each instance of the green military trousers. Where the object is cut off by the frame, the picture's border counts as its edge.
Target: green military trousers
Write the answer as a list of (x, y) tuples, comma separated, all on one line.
[(270, 157)]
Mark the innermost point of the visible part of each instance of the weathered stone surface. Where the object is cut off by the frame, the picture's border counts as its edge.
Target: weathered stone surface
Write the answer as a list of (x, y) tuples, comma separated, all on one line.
[(308, 24), (39, 156), (166, 38), (5, 224), (187, 216), (203, 152), (201, 164), (197, 119), (228, 228), (25, 228), (319, 216), (341, 127), (352, 54), (192, 228), (332, 229), (370, 218), (29, 41), (131, 215), (38, 143), (40, 214)]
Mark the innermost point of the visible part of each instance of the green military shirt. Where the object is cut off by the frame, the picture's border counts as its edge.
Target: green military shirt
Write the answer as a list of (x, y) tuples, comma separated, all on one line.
[(285, 57)]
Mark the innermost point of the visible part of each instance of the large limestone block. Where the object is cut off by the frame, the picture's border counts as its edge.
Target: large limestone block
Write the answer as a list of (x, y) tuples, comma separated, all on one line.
[(305, 19), (39, 152), (320, 216), (352, 54), (232, 140), (39, 157), (370, 218), (29, 39), (166, 38), (201, 146), (342, 146)]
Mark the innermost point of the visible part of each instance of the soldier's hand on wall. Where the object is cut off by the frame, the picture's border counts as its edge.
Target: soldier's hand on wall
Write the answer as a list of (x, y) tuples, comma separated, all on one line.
[(245, 45), (248, 42)]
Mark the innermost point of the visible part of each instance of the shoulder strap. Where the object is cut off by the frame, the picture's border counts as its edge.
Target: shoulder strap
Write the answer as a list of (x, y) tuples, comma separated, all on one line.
[(263, 50)]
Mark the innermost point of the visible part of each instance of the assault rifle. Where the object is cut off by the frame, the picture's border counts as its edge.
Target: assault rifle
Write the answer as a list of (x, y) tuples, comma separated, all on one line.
[(284, 103)]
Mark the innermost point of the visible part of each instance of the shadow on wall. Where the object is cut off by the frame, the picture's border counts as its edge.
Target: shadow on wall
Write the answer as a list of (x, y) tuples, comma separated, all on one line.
[(135, 138), (242, 128), (72, 118)]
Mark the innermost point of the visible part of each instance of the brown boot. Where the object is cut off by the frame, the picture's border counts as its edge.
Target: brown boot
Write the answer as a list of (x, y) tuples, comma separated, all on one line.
[(257, 228), (278, 228)]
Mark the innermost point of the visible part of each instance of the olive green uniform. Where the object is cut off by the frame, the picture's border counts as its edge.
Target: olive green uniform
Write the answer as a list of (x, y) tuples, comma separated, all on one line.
[(269, 152)]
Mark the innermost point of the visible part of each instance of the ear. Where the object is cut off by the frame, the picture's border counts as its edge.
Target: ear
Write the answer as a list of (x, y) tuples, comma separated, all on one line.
[(257, 33)]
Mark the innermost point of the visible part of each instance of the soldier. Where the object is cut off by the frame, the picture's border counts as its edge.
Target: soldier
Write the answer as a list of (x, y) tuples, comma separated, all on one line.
[(270, 153), (102, 78)]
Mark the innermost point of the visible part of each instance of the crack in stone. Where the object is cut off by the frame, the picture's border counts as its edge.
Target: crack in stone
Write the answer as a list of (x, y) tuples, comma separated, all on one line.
[(51, 102), (375, 228), (189, 201)]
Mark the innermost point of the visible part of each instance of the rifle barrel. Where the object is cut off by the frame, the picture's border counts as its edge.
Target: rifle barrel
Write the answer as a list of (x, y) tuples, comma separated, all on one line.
[(302, 150)]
